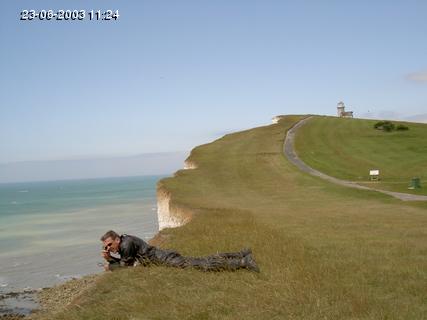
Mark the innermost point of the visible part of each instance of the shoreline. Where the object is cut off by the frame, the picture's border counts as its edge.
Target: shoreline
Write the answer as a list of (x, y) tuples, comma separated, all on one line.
[(52, 299), (20, 298)]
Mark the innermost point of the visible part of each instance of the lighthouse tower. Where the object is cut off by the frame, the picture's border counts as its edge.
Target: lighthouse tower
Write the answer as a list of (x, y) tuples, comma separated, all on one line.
[(340, 109)]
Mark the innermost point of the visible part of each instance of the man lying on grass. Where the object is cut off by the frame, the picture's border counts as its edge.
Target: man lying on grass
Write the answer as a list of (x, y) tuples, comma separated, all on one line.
[(133, 250)]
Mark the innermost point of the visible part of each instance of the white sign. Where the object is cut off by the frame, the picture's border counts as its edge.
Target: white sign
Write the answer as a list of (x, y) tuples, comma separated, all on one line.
[(374, 172)]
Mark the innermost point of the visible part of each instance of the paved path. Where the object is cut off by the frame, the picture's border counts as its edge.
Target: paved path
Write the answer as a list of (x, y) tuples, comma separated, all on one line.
[(292, 156)]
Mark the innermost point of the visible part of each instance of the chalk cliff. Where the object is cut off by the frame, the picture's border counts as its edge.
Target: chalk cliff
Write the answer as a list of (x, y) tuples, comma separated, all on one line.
[(188, 165), (276, 119), (169, 213)]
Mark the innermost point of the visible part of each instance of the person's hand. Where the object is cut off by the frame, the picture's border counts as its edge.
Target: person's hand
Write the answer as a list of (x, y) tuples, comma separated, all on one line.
[(106, 255)]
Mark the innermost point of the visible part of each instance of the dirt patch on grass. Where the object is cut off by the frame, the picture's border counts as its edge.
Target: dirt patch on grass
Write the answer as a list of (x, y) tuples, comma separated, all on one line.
[(56, 299)]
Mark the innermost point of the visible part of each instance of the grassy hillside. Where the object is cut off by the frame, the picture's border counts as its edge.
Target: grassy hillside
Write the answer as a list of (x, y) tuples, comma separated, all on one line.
[(325, 252), (349, 148)]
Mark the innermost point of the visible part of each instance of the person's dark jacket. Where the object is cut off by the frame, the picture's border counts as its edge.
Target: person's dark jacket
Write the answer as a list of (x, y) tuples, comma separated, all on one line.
[(134, 249)]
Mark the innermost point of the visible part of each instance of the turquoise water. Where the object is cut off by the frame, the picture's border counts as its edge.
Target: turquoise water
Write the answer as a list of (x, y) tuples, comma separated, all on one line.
[(49, 231), (57, 196)]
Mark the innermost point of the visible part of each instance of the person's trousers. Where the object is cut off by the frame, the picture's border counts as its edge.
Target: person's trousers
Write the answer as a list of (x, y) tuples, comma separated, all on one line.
[(216, 262)]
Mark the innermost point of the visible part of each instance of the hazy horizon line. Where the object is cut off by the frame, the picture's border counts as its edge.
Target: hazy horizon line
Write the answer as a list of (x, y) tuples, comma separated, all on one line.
[(82, 179), (94, 157)]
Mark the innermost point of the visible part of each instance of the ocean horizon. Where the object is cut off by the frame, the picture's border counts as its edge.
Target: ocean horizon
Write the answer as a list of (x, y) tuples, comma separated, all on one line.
[(50, 230)]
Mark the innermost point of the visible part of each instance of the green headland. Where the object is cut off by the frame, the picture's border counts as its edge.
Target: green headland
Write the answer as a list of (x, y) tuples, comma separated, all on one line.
[(325, 251), (349, 148)]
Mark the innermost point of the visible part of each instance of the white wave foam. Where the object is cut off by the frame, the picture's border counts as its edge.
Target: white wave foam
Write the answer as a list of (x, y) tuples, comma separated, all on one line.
[(68, 277)]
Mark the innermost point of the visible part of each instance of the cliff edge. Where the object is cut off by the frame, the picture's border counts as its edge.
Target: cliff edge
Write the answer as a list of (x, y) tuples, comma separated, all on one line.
[(169, 213)]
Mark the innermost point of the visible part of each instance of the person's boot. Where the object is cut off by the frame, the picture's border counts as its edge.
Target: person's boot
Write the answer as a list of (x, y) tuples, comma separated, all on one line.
[(249, 263)]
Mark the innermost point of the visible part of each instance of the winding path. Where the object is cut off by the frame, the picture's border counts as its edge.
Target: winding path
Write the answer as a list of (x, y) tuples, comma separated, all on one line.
[(290, 153)]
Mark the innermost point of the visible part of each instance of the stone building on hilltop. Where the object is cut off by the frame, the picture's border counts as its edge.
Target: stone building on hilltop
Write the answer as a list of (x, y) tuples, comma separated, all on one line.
[(341, 111)]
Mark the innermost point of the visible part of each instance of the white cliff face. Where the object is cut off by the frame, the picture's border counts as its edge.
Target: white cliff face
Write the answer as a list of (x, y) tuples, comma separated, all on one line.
[(172, 216), (188, 165), (276, 119), (165, 217)]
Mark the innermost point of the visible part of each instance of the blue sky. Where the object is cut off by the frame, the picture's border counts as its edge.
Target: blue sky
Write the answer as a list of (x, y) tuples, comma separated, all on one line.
[(169, 75)]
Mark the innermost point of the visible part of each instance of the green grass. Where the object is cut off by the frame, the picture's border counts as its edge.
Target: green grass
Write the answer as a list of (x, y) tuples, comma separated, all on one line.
[(349, 148), (325, 252)]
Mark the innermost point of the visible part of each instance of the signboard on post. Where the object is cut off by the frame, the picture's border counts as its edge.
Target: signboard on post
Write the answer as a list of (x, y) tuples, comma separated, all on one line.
[(374, 174)]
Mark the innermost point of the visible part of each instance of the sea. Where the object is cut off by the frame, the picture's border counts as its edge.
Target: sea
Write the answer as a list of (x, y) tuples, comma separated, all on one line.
[(49, 231)]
